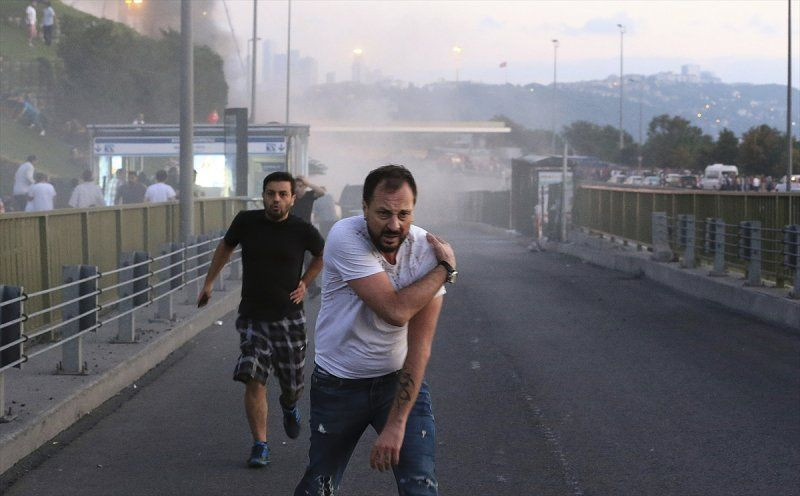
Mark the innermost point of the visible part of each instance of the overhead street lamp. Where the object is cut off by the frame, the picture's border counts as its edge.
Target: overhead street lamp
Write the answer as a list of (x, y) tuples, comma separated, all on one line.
[(621, 86), (641, 143), (555, 59), (457, 54)]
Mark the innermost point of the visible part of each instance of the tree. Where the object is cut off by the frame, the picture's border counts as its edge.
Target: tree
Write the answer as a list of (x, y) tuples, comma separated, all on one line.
[(672, 142), (726, 149), (761, 150), (528, 140), (599, 141), (111, 74)]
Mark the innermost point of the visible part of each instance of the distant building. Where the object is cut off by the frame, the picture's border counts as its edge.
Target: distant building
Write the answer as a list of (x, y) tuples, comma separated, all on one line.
[(266, 62), (330, 77)]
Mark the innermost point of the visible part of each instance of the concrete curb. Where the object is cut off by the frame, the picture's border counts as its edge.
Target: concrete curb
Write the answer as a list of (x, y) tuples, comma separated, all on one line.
[(30, 436), (767, 304)]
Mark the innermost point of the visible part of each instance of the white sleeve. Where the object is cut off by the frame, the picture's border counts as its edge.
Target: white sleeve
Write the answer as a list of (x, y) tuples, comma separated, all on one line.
[(29, 175), (147, 195), (350, 254), (73, 199), (427, 261), (98, 198), (171, 193)]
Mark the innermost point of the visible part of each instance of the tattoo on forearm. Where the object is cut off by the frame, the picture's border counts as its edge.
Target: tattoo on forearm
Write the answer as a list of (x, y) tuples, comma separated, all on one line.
[(405, 385)]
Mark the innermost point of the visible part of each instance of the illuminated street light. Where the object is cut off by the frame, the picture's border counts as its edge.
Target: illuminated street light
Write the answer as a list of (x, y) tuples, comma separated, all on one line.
[(358, 52), (457, 54), (356, 71)]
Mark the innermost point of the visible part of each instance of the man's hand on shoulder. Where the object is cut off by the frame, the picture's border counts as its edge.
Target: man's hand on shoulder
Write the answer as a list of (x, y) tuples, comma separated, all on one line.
[(442, 249)]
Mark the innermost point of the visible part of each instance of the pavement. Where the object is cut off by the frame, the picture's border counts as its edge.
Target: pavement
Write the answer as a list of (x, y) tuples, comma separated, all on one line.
[(550, 375)]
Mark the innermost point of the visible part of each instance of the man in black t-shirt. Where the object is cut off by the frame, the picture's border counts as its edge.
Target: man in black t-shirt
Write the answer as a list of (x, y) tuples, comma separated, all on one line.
[(307, 193), (130, 192), (271, 321)]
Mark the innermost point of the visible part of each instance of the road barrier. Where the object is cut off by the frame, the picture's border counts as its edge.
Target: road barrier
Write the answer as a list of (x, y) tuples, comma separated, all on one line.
[(138, 281)]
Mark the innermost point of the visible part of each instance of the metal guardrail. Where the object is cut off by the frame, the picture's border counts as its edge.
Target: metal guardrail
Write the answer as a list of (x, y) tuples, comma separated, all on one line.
[(139, 281)]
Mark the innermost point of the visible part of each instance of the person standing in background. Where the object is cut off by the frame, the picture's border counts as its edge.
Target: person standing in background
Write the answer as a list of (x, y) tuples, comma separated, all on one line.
[(307, 193), (131, 192), (112, 186), (48, 22), (159, 191), (23, 180), (87, 194), (40, 195), (30, 21)]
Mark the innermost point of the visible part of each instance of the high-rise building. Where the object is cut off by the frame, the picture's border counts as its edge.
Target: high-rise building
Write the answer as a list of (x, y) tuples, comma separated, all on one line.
[(266, 61)]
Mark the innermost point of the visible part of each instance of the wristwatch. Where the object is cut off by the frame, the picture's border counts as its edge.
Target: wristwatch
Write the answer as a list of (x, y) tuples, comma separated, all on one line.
[(451, 272)]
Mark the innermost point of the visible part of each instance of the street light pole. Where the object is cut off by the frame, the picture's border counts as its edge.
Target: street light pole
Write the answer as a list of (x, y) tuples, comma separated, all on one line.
[(253, 64), (288, 57), (621, 86), (641, 143), (457, 53), (187, 123), (555, 59)]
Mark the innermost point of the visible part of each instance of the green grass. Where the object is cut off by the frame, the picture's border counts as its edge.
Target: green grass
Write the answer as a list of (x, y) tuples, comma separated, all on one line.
[(14, 39), (18, 141)]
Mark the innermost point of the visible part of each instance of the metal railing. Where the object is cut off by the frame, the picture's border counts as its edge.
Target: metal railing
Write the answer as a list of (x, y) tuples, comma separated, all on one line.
[(139, 281)]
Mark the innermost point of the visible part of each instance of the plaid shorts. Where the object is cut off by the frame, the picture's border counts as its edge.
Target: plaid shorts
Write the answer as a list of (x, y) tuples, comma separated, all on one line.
[(277, 347)]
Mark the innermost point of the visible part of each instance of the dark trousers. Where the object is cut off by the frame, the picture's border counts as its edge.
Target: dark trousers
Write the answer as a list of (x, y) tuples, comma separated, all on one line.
[(341, 409), (48, 34), (20, 202)]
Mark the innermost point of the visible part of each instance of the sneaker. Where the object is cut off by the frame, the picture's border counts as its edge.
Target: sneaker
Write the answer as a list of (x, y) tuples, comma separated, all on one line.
[(291, 422), (259, 455)]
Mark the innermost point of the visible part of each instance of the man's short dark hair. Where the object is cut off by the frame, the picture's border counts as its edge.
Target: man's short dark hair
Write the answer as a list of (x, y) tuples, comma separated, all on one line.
[(39, 177), (394, 176), (86, 175), (31, 158), (161, 176), (279, 176)]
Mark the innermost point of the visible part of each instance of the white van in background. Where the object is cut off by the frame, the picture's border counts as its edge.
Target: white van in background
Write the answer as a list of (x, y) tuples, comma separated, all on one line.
[(715, 174)]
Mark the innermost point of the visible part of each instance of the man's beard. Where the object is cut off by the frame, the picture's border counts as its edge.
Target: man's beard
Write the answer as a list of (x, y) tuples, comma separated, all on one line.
[(376, 240), (273, 215)]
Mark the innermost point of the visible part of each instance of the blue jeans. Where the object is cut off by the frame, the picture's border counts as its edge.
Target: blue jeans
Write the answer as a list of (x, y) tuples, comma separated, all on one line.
[(341, 409)]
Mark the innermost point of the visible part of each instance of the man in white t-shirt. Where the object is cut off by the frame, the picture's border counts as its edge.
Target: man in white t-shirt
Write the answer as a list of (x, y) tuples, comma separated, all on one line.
[(40, 195), (30, 22), (23, 180), (48, 21), (159, 191), (381, 298), (87, 194)]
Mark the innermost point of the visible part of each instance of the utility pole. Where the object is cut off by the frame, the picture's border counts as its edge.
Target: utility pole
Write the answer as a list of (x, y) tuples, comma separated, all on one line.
[(621, 86), (789, 115), (555, 58), (288, 57), (187, 123), (253, 64)]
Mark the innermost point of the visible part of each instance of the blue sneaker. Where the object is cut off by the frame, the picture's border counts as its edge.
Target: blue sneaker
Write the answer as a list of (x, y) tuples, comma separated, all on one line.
[(291, 422), (259, 455)]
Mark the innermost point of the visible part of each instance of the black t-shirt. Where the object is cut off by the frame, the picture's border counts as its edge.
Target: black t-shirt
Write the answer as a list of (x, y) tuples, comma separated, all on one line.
[(132, 193), (272, 259)]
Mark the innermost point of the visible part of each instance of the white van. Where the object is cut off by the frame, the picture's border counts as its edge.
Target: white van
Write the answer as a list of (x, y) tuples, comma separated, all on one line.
[(715, 174)]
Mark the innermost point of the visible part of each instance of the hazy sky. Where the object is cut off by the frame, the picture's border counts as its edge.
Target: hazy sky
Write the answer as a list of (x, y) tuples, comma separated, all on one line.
[(740, 41)]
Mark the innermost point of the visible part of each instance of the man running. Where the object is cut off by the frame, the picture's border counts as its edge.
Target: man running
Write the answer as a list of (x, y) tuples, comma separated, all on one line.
[(382, 293), (271, 321)]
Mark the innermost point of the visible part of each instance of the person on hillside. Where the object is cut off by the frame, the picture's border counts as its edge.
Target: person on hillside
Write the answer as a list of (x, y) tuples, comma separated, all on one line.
[(113, 185), (30, 115), (40, 195), (132, 191), (23, 180), (138, 120), (30, 21), (159, 191), (271, 322), (87, 193), (48, 22)]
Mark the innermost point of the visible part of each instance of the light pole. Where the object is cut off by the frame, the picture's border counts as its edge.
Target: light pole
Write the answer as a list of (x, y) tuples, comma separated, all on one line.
[(641, 143), (789, 109), (253, 64), (555, 59), (288, 57), (621, 86), (357, 53), (187, 123), (457, 55)]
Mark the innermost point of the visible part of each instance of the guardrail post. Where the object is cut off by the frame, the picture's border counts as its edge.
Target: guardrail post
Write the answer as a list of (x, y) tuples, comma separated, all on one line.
[(750, 250), (126, 327), (219, 282), (86, 300), (191, 248), (164, 311), (791, 256), (686, 237), (660, 233), (715, 243), (9, 312)]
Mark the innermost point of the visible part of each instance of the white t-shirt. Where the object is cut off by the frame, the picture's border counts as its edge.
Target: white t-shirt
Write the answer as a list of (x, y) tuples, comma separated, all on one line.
[(48, 17), (23, 178), (159, 192), (87, 195), (351, 341), (30, 15), (40, 197)]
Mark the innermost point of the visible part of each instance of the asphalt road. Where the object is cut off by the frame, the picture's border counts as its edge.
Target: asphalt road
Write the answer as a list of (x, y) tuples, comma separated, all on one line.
[(549, 377)]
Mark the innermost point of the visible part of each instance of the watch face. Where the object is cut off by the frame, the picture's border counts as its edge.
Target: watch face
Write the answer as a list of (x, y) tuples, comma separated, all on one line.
[(451, 277)]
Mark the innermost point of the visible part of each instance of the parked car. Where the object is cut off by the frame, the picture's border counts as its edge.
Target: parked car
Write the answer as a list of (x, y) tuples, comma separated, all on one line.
[(617, 179), (715, 175), (689, 182), (634, 180), (651, 181), (673, 180), (350, 200)]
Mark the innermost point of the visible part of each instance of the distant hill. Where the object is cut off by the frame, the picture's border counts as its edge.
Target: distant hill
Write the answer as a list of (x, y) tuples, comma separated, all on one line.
[(711, 105)]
